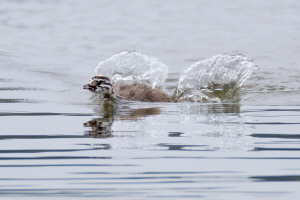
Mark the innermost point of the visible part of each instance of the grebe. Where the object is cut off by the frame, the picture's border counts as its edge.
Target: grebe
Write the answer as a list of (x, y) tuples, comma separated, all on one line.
[(134, 92)]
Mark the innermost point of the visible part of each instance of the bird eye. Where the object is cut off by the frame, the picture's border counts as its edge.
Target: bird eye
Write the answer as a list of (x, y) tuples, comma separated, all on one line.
[(99, 83)]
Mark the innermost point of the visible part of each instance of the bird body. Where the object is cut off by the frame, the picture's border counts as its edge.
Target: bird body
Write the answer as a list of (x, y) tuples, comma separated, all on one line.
[(134, 92)]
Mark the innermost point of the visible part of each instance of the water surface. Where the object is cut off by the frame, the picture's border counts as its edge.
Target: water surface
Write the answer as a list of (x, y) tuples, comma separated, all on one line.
[(56, 144)]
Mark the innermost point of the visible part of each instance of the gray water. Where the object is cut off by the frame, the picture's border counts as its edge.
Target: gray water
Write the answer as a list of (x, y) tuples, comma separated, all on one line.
[(49, 142)]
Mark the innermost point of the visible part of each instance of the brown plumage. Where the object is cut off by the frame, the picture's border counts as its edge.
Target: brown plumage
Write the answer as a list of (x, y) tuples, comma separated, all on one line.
[(139, 92), (134, 92)]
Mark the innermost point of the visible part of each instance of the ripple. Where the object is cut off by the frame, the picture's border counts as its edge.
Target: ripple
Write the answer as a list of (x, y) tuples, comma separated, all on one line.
[(286, 136), (42, 114), (70, 165), (19, 88), (41, 150), (8, 137), (17, 101), (291, 178), (275, 149)]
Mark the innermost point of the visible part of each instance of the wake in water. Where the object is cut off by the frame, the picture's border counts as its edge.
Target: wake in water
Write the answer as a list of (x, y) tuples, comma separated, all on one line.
[(217, 79)]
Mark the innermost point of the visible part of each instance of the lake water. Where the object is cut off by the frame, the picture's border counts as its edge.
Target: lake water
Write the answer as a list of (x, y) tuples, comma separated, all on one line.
[(49, 142)]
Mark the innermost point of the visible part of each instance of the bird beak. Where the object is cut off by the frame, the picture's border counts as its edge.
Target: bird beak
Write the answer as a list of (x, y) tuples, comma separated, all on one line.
[(89, 87), (86, 86)]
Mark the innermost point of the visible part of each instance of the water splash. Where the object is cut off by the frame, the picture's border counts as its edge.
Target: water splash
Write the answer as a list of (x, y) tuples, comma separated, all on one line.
[(133, 67), (214, 80), (217, 79)]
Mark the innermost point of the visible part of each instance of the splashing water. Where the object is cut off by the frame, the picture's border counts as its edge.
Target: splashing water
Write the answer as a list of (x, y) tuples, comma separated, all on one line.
[(214, 80), (133, 67)]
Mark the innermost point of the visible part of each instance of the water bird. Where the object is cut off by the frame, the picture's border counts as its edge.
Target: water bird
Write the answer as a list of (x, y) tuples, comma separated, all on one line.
[(135, 92)]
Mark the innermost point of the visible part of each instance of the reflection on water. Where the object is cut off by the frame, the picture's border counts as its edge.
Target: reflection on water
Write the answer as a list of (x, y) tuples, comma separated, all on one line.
[(204, 120), (101, 126)]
